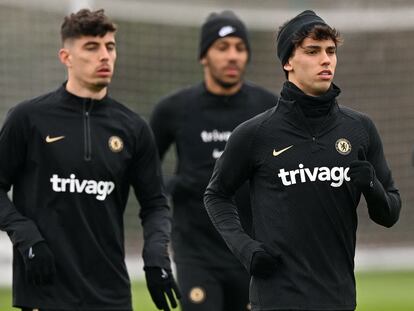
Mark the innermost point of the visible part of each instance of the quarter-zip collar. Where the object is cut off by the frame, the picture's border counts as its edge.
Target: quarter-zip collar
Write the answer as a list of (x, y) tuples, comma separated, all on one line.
[(311, 106), (220, 99), (321, 112), (87, 108), (76, 102)]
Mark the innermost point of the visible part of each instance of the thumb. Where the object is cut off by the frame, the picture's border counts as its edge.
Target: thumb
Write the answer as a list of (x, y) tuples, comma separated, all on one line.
[(361, 154)]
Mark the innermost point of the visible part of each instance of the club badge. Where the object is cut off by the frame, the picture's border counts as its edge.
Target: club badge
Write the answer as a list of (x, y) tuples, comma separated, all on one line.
[(343, 146), (197, 295), (115, 143)]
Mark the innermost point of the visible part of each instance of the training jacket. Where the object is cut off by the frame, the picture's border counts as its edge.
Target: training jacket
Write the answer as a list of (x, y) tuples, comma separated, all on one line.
[(200, 123), (303, 203), (71, 162)]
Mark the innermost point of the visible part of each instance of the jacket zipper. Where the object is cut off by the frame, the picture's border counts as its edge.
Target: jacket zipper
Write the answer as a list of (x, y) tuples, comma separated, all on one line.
[(87, 129)]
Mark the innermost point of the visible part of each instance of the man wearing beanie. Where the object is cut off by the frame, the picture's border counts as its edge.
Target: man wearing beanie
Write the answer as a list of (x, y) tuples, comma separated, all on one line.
[(199, 120), (309, 160)]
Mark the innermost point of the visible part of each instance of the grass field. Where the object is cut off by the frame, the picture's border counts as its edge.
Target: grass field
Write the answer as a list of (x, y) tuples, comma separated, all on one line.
[(385, 291)]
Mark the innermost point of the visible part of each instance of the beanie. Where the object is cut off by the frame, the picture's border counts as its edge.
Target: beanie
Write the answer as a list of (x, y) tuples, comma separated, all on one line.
[(220, 25), (285, 46)]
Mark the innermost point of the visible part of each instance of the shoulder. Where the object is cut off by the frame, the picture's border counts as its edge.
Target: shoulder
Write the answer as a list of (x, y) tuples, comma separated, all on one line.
[(365, 125), (136, 127), (259, 92), (173, 102), (121, 113), (357, 116), (28, 108), (251, 126)]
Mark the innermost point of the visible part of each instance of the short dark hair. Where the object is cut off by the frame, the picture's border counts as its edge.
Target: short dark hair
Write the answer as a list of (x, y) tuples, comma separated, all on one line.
[(86, 23), (317, 32)]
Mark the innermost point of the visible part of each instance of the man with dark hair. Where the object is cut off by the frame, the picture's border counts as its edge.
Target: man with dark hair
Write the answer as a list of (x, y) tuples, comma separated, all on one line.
[(308, 161), (71, 156), (199, 120)]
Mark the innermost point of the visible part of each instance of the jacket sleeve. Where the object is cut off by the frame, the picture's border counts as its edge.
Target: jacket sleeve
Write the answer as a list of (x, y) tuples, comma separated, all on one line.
[(383, 200), (232, 169), (155, 214), (22, 231), (162, 125)]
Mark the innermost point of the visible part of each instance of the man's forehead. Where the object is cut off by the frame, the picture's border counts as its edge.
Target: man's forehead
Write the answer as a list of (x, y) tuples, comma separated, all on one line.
[(310, 42), (229, 39), (109, 37)]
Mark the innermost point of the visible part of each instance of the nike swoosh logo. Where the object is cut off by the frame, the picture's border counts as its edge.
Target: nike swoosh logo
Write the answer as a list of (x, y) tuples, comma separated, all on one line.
[(226, 30), (53, 139), (276, 153)]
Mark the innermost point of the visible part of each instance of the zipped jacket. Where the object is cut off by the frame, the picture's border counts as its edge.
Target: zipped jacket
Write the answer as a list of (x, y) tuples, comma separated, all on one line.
[(304, 204), (71, 162)]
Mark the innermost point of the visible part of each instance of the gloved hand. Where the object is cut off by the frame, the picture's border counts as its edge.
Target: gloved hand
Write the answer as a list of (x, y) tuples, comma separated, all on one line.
[(40, 264), (263, 264), (160, 282), (361, 172)]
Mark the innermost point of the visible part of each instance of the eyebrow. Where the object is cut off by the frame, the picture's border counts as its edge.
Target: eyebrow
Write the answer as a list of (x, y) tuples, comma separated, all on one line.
[(318, 47), (97, 43)]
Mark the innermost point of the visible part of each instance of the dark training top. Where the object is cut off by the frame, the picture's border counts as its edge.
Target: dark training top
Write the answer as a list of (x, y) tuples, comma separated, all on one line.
[(200, 123), (303, 202), (71, 162)]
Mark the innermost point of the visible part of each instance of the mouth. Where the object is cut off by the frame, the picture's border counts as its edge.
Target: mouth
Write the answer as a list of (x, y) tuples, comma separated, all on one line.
[(325, 74), (104, 72), (232, 70)]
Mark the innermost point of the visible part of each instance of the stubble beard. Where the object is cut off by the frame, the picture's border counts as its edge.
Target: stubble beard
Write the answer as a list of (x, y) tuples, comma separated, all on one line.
[(101, 84), (225, 84)]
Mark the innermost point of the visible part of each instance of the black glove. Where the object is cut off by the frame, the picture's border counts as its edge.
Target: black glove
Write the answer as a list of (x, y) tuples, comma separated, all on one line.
[(160, 282), (40, 264), (263, 264), (361, 172)]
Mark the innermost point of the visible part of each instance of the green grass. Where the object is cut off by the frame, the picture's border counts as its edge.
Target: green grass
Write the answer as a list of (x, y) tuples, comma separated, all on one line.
[(385, 291), (382, 291)]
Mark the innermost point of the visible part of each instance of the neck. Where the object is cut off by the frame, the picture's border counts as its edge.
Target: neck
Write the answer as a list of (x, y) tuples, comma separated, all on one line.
[(217, 89), (312, 106), (84, 91)]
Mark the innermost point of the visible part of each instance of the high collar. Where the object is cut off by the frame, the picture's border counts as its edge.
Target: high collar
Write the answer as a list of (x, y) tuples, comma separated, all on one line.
[(74, 100), (311, 106), (224, 98)]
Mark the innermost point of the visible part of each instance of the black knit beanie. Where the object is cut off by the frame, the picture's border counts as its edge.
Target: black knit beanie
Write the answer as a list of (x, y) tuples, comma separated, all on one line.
[(220, 25), (285, 46)]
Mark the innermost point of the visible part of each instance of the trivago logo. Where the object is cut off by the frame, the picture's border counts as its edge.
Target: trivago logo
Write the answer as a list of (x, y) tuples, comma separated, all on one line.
[(101, 188), (214, 136), (336, 175)]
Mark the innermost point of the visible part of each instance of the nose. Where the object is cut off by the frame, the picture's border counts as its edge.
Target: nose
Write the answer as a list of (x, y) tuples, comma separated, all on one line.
[(104, 54), (325, 58), (233, 53)]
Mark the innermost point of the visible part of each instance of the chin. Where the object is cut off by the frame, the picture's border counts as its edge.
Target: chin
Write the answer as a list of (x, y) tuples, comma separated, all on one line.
[(229, 84), (102, 84), (322, 89)]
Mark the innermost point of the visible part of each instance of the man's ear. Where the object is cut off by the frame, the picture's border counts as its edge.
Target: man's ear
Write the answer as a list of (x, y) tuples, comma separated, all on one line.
[(65, 57), (288, 67), (203, 61)]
